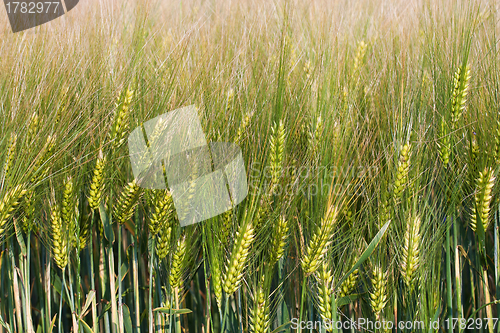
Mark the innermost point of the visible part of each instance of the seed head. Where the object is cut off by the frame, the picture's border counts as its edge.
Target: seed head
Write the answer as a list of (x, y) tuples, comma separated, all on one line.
[(239, 254), (125, 206), (59, 237), (378, 294), (319, 242), (97, 185), (482, 199), (8, 205), (460, 90)]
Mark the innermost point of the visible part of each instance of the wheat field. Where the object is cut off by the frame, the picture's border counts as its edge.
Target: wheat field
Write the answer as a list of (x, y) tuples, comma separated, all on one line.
[(370, 134)]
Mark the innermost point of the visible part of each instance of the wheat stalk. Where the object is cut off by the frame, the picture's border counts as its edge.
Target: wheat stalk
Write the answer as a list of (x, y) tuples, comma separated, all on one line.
[(42, 159), (70, 211)]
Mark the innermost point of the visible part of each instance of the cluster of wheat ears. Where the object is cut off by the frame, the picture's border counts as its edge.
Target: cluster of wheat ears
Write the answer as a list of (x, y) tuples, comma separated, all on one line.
[(372, 167)]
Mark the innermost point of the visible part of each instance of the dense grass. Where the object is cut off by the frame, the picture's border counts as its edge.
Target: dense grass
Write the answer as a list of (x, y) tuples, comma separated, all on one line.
[(371, 136)]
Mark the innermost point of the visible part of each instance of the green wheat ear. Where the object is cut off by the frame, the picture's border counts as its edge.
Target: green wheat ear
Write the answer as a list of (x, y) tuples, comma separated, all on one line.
[(216, 274), (242, 129), (59, 237), (279, 240), (401, 178), (325, 291), (8, 205), (236, 264), (378, 293), (163, 238), (178, 263), (444, 143), (496, 153), (349, 284), (359, 57), (161, 210), (410, 260), (314, 137), (29, 211), (277, 148), (121, 121), (460, 90), (127, 201), (97, 184), (482, 199), (33, 127), (319, 242), (259, 313), (11, 148)]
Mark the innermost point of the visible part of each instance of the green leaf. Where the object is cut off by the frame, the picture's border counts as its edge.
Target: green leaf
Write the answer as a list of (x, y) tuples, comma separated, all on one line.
[(127, 321), (106, 224), (482, 307), (20, 240), (86, 327), (346, 300), (124, 270), (7, 327), (367, 253), (53, 323), (104, 310), (172, 311), (90, 297), (282, 328), (436, 315)]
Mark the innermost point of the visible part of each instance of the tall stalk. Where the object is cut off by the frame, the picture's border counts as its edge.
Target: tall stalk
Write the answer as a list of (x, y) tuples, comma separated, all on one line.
[(458, 283), (92, 275), (151, 257), (449, 298), (136, 282)]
